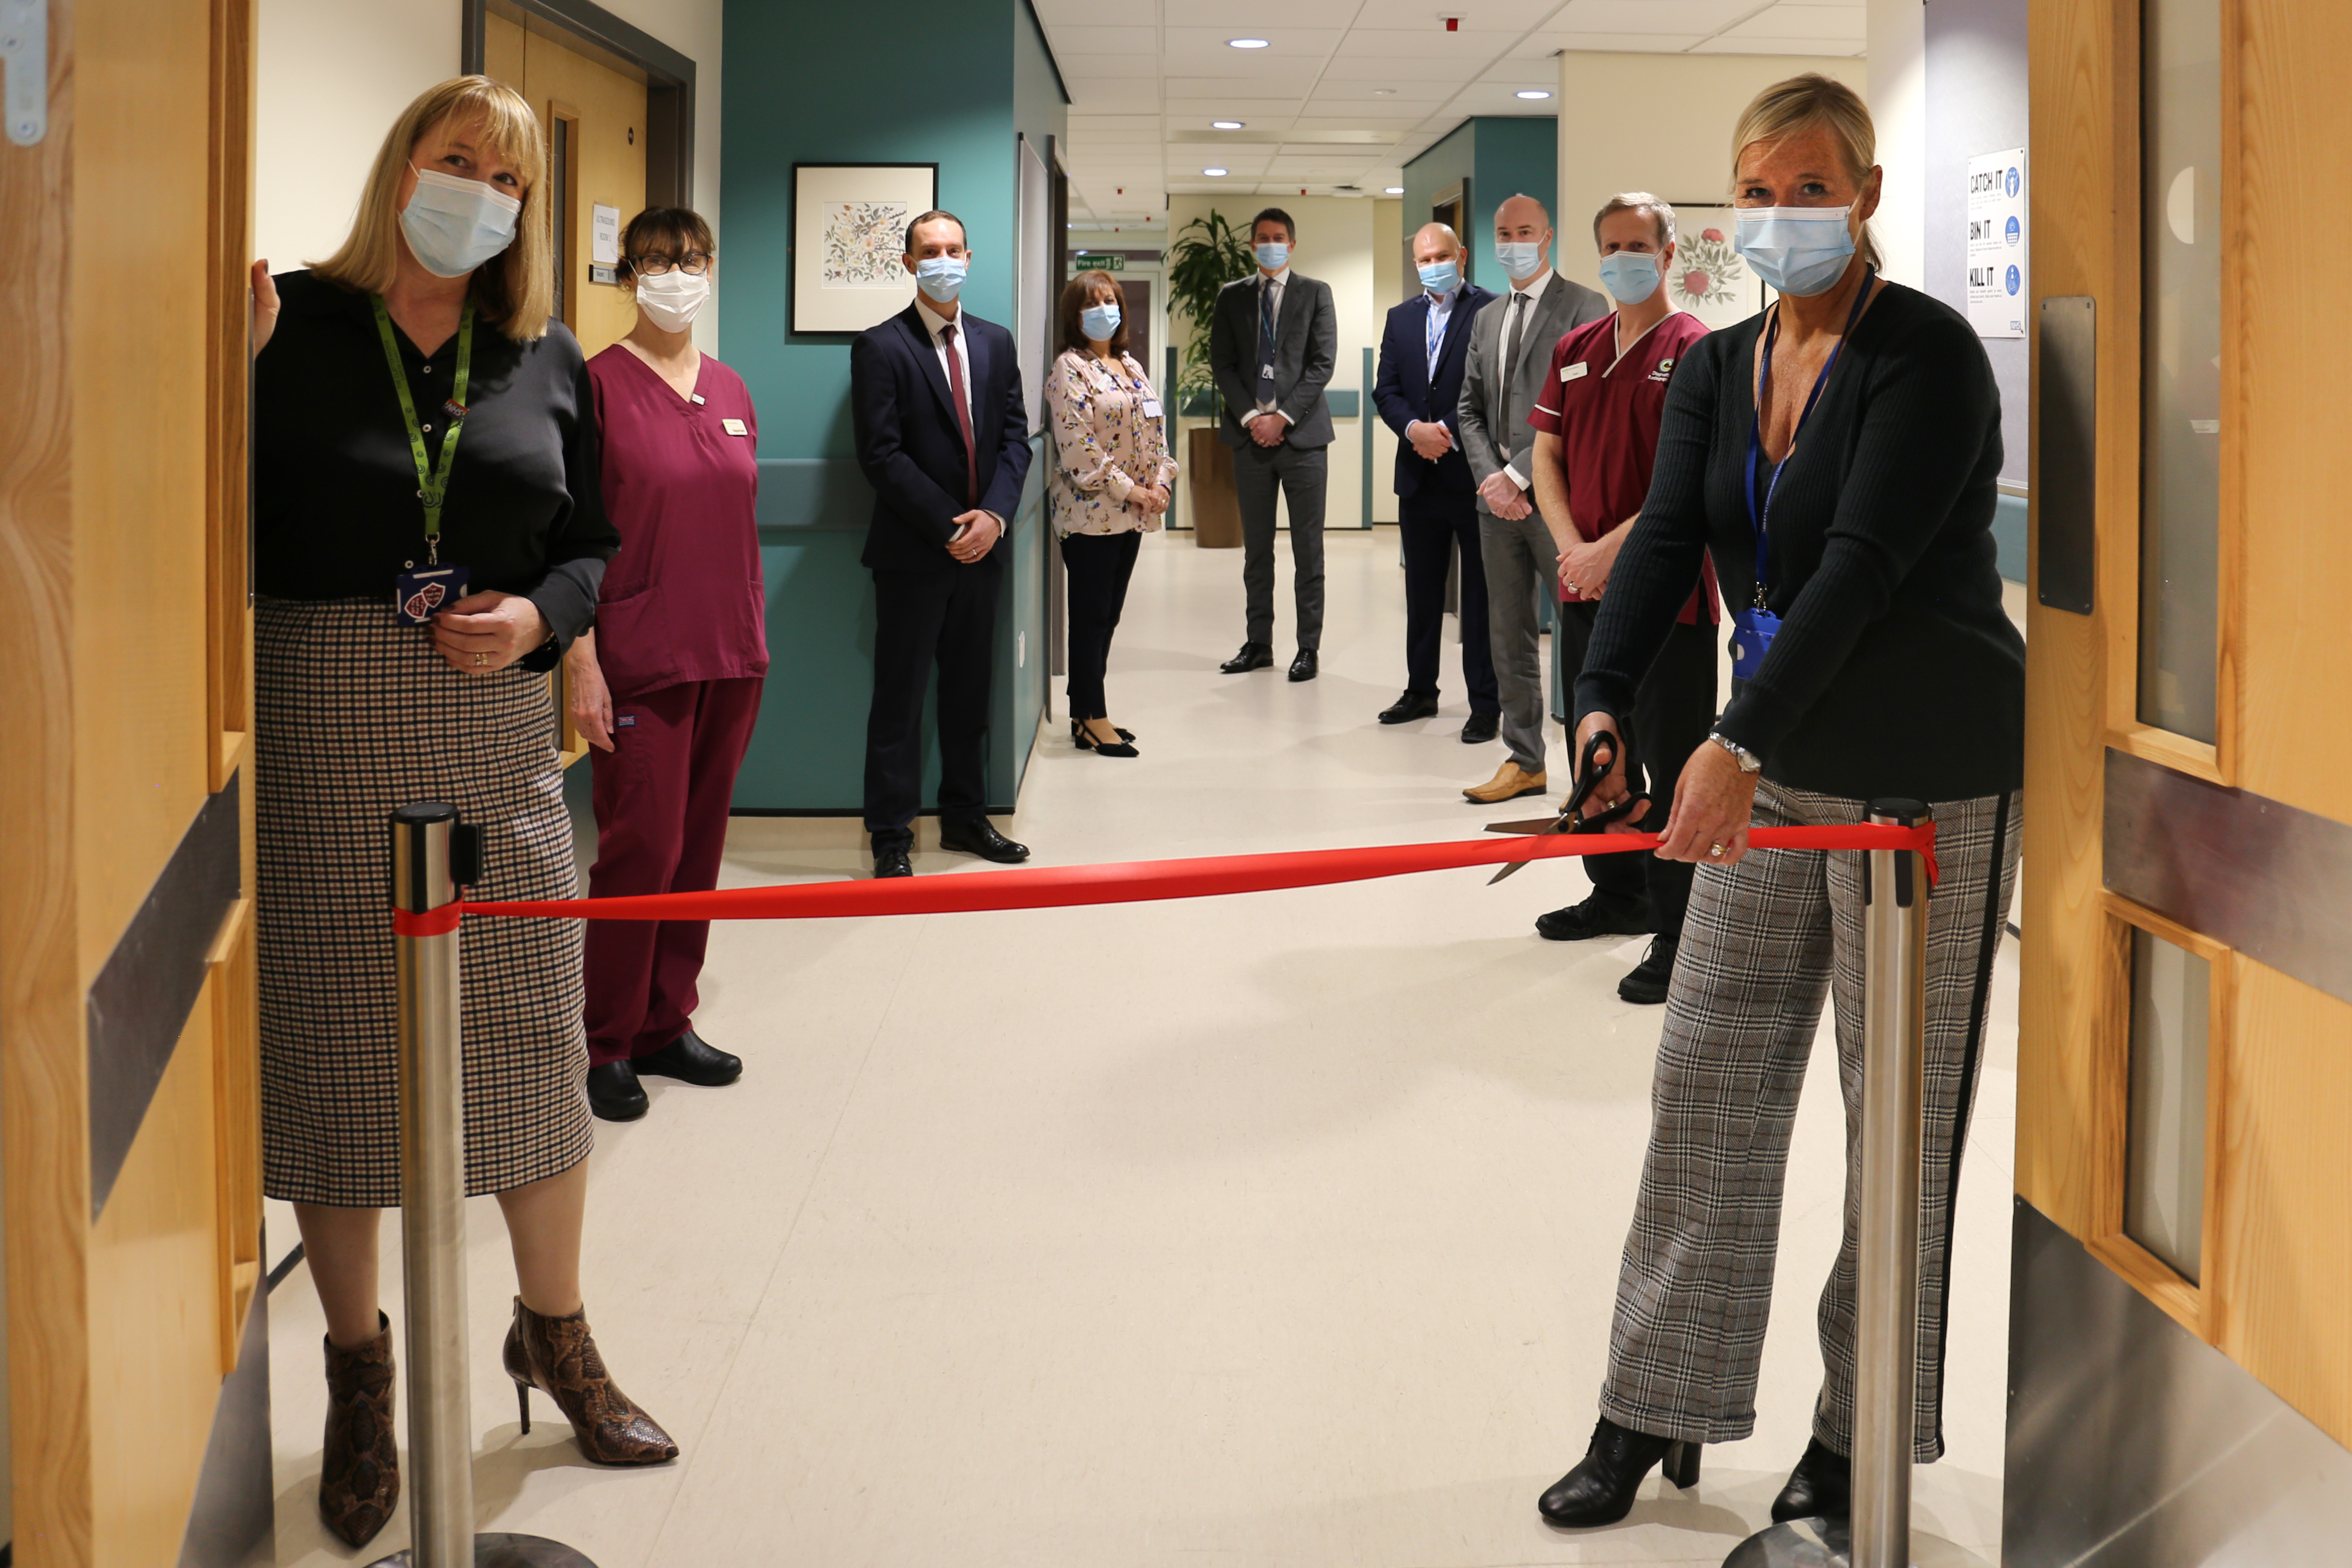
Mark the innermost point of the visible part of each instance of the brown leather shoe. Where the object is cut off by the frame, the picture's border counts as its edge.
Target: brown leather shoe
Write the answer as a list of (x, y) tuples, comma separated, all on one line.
[(1510, 781), (558, 1357), (358, 1476)]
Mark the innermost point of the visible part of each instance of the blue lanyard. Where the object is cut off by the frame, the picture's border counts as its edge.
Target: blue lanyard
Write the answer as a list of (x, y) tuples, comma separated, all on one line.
[(1758, 518)]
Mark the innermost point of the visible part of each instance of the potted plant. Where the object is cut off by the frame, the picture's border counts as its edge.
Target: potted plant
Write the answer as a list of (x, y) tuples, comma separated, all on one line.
[(1207, 253)]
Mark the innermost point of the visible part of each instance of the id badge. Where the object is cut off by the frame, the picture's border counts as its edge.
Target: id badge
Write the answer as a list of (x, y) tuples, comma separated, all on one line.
[(1753, 631), (1152, 408), (416, 595)]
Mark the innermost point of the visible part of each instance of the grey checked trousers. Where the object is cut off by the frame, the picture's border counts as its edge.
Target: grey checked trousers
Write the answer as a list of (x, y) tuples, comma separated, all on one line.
[(1522, 565), (1764, 940)]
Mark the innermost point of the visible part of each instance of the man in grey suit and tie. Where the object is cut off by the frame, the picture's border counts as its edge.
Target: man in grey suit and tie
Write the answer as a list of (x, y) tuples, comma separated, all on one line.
[(1510, 351), (1273, 341)]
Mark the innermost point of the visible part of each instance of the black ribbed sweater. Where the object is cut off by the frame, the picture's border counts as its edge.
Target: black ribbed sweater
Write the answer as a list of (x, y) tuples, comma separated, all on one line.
[(1896, 672)]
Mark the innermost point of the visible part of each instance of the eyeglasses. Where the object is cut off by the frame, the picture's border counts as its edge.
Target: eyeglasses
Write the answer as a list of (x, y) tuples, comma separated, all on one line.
[(693, 263)]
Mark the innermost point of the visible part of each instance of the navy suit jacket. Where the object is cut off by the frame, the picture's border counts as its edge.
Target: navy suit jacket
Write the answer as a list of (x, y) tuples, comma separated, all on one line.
[(910, 446), (1404, 392)]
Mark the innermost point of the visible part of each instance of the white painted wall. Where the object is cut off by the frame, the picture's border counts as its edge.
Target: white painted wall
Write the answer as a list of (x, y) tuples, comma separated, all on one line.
[(334, 74), (1898, 104), (1660, 123)]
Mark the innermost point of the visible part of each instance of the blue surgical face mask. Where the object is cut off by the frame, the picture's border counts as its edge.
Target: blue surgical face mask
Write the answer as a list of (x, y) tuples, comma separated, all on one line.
[(1098, 322), (1442, 276), (1522, 258), (1629, 276), (1797, 250), (1274, 256), (941, 278), (453, 226)]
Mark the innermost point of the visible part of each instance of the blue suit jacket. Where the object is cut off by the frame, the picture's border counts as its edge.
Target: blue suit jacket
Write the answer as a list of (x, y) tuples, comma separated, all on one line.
[(1403, 392), (910, 446)]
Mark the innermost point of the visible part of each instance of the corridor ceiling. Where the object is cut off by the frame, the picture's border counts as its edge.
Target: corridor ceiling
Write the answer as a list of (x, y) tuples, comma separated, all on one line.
[(1346, 91)]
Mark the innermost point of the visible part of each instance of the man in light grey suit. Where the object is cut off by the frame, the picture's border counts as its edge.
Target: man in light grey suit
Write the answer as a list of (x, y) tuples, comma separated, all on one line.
[(1273, 339), (1510, 352)]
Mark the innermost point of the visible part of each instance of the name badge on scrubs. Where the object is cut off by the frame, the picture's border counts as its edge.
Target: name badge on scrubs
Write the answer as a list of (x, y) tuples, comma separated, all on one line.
[(735, 427), (417, 595), (1570, 373), (1753, 631), (1152, 408)]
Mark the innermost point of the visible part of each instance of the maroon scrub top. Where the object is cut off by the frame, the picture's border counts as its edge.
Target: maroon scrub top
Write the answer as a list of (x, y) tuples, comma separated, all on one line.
[(684, 599), (1605, 407)]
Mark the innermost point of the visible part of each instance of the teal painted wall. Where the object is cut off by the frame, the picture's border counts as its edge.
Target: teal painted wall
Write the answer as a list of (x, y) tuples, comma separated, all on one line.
[(1502, 156), (791, 101)]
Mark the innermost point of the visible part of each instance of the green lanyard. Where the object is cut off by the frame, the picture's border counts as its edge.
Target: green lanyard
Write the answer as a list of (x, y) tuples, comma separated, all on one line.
[(433, 483)]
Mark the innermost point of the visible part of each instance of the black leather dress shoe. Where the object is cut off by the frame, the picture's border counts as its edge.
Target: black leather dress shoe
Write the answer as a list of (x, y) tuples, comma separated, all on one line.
[(891, 862), (692, 1060), (1820, 1487), (981, 838), (1414, 704), (1481, 727), (615, 1093), (1597, 915), (1253, 656), (1302, 668), (1600, 1490), (1651, 977)]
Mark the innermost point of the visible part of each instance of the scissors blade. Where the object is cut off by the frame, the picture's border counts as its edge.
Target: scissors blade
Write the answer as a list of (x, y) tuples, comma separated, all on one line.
[(1514, 867), (1530, 825)]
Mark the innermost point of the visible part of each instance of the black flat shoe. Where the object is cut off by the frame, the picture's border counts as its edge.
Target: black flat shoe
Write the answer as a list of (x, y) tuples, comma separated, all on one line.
[(1412, 706), (981, 838), (1820, 1487), (691, 1059), (1123, 746), (1600, 1490), (1596, 916), (1253, 656), (1302, 668), (615, 1093), (1651, 977), (1481, 727), (891, 862)]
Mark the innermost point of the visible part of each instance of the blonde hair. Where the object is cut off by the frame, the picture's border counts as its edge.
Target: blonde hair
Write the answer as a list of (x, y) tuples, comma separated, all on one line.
[(1814, 103), (515, 290), (1660, 214)]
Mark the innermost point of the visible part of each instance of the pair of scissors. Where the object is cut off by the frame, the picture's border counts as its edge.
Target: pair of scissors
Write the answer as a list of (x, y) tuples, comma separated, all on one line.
[(1600, 757)]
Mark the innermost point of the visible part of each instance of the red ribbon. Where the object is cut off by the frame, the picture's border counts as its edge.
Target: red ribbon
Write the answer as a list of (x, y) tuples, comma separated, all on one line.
[(431, 922), (1135, 882)]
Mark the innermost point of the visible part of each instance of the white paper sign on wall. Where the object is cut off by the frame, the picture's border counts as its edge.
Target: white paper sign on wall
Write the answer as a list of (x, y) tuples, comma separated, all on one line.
[(1997, 270), (605, 236)]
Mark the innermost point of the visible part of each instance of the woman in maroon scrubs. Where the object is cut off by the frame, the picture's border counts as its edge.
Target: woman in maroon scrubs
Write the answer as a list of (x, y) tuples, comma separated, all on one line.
[(666, 686)]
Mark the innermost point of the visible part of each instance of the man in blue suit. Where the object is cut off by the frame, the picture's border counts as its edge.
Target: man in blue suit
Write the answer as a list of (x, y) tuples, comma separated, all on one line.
[(935, 396), (1417, 391)]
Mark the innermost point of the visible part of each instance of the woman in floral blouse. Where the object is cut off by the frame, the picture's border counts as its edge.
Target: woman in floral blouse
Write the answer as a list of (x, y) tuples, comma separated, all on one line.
[(1109, 487)]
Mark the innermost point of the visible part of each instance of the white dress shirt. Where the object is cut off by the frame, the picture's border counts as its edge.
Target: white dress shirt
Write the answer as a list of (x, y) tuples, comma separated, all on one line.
[(1519, 306), (934, 323), (1441, 316), (1269, 300)]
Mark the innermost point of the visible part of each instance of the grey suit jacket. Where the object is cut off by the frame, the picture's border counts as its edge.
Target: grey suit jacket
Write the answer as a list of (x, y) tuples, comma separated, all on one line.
[(1306, 350), (1493, 416)]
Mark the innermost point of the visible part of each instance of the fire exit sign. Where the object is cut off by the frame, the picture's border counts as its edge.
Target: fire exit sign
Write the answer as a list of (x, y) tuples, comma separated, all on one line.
[(1091, 261)]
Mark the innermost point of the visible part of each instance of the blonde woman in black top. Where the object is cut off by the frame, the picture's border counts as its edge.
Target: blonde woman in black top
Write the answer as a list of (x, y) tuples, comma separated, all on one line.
[(428, 537), (1838, 456)]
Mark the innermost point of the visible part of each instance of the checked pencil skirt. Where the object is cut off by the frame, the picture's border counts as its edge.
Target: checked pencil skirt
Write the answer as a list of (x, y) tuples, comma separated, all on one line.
[(1764, 941)]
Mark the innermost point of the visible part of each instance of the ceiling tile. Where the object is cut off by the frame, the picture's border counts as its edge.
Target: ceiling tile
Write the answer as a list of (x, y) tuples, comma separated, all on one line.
[(1841, 23), (1699, 16), (1631, 43), (1775, 46)]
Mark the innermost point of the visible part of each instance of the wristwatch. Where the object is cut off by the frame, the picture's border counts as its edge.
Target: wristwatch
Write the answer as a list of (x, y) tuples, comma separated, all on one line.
[(1748, 761)]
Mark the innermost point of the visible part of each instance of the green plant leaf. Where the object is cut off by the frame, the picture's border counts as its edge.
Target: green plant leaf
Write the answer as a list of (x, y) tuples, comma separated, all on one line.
[(1207, 253)]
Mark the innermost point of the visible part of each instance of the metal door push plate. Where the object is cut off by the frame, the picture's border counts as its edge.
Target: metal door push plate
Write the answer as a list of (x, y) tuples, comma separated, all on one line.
[(24, 69)]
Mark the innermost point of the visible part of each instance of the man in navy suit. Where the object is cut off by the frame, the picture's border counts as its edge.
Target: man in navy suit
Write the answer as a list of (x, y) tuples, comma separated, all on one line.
[(1417, 391), (935, 395)]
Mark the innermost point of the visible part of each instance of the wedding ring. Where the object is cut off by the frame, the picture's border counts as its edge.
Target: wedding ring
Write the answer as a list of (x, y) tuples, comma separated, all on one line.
[(1716, 850), (1573, 589), (481, 659)]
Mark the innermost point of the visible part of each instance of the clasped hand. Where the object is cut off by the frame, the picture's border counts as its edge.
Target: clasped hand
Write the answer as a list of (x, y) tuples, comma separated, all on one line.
[(1504, 498), (1430, 441), (1150, 499), (484, 633), (1268, 429), (1714, 799), (976, 535)]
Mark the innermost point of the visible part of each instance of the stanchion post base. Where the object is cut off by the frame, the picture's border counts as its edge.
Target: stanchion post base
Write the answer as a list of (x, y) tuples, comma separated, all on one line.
[(1825, 1544), (503, 1551)]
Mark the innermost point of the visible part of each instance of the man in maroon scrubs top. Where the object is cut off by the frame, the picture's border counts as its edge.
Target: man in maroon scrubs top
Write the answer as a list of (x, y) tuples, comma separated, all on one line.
[(1597, 439), (681, 642)]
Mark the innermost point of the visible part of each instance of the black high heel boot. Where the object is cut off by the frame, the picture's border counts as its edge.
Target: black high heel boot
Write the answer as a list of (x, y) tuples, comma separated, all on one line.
[(1600, 1490), (1820, 1487)]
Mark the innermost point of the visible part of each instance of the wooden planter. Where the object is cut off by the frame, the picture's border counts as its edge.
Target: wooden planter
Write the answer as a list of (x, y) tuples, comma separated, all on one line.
[(1216, 513)]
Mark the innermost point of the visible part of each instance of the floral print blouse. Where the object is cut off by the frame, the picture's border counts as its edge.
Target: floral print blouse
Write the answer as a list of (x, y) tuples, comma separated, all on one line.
[(1105, 445)]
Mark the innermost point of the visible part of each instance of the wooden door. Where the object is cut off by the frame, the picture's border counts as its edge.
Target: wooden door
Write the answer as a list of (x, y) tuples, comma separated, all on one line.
[(2185, 1072), (127, 1081)]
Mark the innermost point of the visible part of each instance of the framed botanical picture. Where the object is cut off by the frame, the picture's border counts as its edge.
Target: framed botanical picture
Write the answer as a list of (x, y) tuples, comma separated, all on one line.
[(1710, 279), (849, 230)]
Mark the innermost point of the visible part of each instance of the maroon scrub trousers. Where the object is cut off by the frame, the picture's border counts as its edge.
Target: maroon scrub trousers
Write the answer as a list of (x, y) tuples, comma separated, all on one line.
[(681, 636)]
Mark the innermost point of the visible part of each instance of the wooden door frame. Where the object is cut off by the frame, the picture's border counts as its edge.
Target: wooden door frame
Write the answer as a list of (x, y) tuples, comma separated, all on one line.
[(604, 37)]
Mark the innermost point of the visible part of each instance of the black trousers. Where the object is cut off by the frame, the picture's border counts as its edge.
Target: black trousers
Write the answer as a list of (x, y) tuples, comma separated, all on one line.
[(1674, 709), (1430, 522), (1300, 475), (1100, 566), (923, 619)]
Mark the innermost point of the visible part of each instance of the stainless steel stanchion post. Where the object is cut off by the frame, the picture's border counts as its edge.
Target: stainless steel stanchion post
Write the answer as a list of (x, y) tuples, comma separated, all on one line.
[(432, 853), (1886, 1297)]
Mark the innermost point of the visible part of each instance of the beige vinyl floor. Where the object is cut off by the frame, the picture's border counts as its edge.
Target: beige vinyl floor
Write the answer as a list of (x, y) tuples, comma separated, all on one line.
[(1271, 1230)]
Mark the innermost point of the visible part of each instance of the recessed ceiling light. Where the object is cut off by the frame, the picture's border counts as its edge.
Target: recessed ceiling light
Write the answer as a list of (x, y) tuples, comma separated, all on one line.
[(1245, 43), (1213, 170), (1384, 92), (1225, 125), (1533, 92), (1396, 190)]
